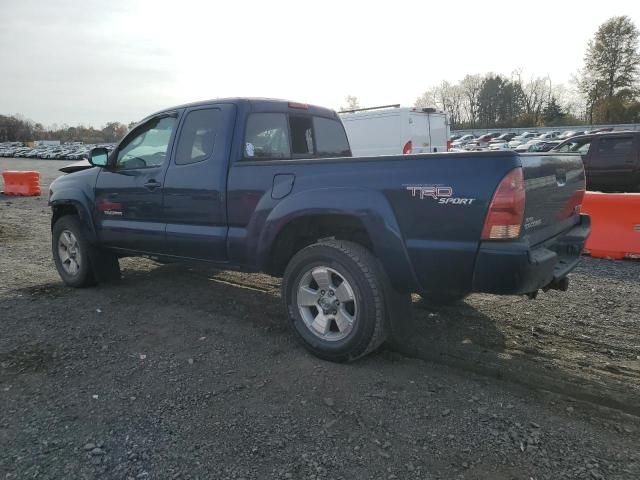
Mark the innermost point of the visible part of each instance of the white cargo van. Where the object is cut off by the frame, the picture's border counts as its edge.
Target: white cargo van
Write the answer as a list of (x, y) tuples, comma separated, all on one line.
[(392, 130)]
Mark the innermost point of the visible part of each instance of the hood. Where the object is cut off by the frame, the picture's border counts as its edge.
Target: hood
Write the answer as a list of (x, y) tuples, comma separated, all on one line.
[(75, 167), (88, 174)]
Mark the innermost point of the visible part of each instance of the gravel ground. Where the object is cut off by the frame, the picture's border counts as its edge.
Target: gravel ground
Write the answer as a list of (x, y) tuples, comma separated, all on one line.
[(178, 372)]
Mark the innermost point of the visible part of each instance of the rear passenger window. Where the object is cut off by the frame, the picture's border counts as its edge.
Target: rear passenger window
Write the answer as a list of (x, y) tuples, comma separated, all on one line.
[(267, 136), (197, 136), (615, 145), (281, 135), (331, 140)]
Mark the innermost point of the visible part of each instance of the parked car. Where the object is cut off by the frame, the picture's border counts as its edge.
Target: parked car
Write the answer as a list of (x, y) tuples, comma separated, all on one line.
[(483, 140), (499, 146), (352, 238), (502, 138), (463, 140), (611, 160), (569, 134), (522, 138), (537, 145), (525, 147), (547, 136), (599, 130), (70, 151)]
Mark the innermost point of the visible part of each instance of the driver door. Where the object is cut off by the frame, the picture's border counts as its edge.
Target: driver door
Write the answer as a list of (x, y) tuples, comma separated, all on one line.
[(128, 195)]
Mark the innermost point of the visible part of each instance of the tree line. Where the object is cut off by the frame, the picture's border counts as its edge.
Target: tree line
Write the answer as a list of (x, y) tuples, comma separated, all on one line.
[(493, 100), (605, 90), (15, 128)]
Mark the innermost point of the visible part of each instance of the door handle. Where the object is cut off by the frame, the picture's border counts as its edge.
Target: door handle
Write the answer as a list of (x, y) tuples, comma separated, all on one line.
[(152, 185)]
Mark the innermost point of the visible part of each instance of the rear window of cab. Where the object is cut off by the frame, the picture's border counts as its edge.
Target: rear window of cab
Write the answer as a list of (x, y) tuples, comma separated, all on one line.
[(273, 136)]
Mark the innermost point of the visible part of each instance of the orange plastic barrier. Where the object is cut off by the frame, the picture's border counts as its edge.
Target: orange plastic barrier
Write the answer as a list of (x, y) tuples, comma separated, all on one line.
[(21, 183), (615, 224)]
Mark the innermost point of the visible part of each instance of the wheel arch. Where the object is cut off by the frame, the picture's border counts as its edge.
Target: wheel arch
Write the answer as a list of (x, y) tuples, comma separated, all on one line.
[(62, 207), (362, 216)]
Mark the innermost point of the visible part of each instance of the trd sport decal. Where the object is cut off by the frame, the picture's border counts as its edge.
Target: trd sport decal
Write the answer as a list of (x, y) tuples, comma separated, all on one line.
[(442, 194)]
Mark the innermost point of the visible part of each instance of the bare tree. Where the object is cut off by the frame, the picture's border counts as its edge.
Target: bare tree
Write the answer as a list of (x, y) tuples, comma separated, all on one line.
[(352, 103), (570, 100), (445, 97), (471, 85), (427, 99), (536, 94)]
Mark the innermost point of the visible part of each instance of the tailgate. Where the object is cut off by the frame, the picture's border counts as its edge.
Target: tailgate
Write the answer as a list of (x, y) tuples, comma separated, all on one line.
[(554, 185)]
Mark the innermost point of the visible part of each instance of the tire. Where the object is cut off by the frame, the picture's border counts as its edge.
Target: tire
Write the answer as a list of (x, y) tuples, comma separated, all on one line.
[(79, 263), (351, 328)]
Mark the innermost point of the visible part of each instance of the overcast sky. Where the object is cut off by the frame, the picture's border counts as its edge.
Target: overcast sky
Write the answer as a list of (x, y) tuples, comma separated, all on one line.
[(90, 61)]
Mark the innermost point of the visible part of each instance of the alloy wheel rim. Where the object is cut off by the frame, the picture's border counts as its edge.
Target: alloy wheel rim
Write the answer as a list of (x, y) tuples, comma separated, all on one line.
[(327, 303), (69, 252)]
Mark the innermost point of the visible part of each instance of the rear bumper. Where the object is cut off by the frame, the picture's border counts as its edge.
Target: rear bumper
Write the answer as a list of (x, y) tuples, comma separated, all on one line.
[(514, 268)]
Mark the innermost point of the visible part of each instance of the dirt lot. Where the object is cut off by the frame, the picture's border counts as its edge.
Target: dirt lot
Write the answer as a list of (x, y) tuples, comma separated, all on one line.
[(179, 372)]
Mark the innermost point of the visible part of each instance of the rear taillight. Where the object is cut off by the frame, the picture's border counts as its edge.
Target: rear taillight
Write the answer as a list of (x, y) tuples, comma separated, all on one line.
[(506, 212), (449, 144), (406, 150)]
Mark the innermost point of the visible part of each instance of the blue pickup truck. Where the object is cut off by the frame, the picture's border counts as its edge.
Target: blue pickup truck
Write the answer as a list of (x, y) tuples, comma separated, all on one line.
[(270, 186)]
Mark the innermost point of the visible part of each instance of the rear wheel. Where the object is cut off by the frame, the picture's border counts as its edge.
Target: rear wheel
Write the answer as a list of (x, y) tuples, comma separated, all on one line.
[(334, 292)]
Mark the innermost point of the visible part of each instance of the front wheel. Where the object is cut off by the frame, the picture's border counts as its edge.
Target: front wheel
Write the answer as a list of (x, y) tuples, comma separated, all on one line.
[(79, 263), (334, 293)]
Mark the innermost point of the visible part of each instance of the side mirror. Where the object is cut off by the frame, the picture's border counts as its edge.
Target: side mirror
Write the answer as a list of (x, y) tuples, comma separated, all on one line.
[(98, 157)]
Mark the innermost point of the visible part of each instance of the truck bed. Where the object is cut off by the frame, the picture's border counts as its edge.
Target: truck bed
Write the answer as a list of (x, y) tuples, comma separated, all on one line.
[(433, 204)]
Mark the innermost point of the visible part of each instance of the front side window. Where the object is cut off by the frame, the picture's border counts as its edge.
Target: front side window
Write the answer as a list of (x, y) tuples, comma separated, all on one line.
[(147, 146), (583, 148), (331, 139), (267, 136), (197, 136)]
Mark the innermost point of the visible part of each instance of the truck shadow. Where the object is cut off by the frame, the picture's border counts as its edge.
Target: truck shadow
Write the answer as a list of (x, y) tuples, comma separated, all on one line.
[(459, 336), (432, 333), (462, 337), (442, 333)]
